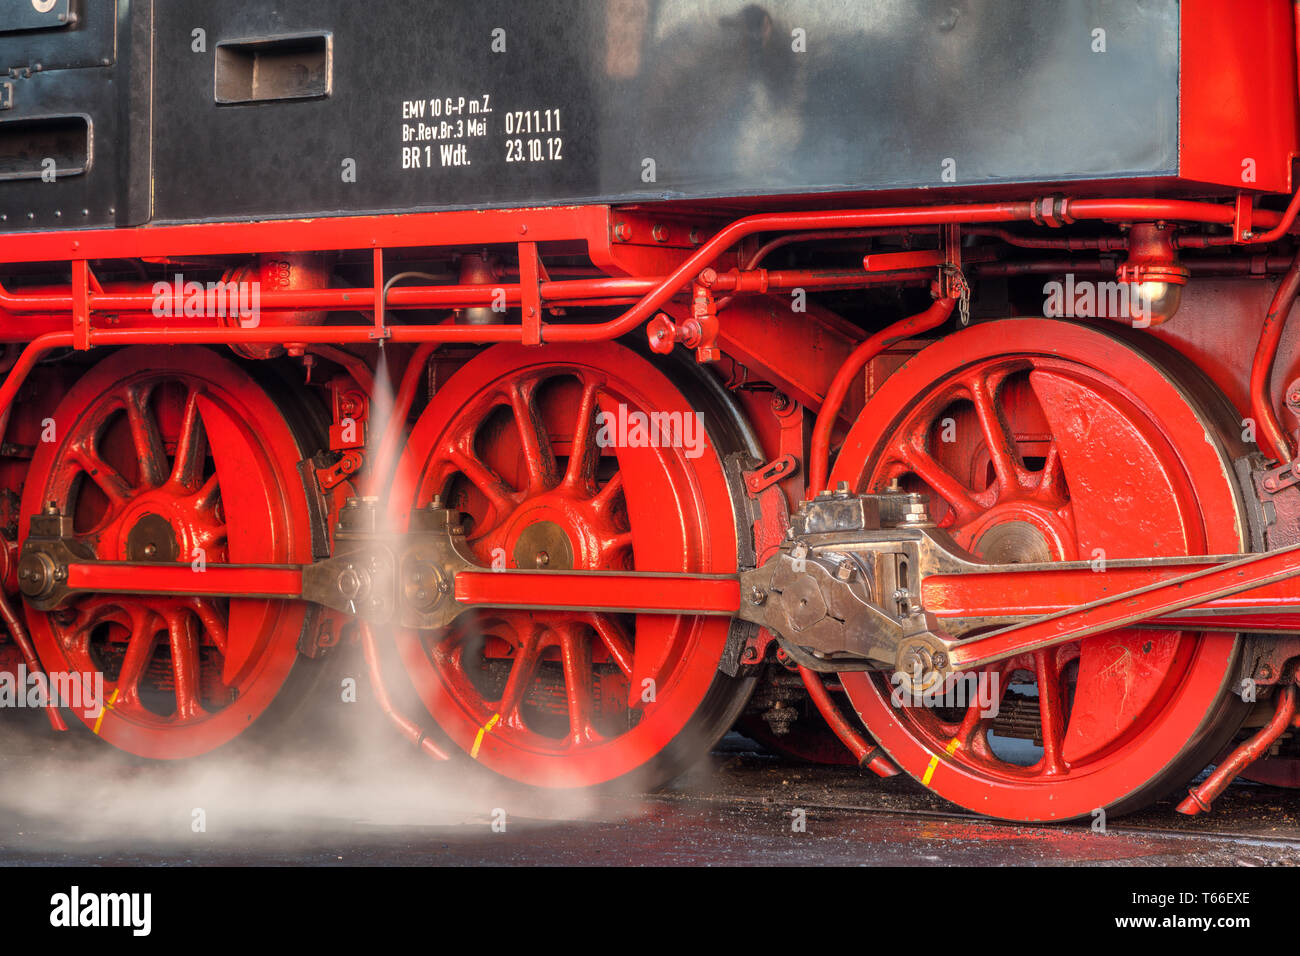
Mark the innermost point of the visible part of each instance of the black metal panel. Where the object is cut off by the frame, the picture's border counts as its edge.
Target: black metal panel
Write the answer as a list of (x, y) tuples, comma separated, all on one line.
[(113, 94), (712, 91), (34, 15), (87, 39), (883, 94)]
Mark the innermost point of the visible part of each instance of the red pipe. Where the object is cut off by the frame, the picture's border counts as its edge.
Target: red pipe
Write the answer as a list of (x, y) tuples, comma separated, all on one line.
[(1198, 799), (19, 634), (1033, 242), (358, 369), (867, 755), (1269, 434), (381, 463), (408, 729), (819, 457)]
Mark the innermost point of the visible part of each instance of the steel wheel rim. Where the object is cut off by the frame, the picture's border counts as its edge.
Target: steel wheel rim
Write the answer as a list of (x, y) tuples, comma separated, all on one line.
[(1177, 713), (678, 517), (213, 467)]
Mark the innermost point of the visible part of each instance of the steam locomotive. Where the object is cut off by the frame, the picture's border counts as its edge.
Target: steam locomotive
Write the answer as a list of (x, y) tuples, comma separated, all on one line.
[(904, 383)]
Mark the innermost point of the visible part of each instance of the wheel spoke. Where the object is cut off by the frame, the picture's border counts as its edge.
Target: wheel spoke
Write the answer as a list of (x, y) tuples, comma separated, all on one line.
[(109, 480), (191, 447), (500, 495), (618, 542), (206, 498), (620, 649), (603, 502), (539, 459), (209, 537), (580, 475), (575, 654), (522, 670), (958, 497), (185, 663), (146, 437), (139, 652), (211, 621), (996, 438), (1050, 712), (1051, 483)]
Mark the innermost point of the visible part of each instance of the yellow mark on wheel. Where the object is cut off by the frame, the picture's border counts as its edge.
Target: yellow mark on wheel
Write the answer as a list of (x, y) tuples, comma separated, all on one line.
[(105, 709), (478, 741), (951, 749)]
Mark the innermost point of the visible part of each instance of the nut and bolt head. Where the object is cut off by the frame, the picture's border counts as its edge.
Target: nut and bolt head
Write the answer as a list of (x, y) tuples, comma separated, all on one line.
[(939, 659), (757, 595)]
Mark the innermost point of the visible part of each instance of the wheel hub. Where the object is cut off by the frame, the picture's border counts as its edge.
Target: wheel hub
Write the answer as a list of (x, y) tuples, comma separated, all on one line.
[(544, 545), (152, 538), (1014, 542)]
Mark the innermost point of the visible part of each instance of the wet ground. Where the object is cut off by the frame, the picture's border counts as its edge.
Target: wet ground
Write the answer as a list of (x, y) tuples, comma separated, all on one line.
[(66, 802)]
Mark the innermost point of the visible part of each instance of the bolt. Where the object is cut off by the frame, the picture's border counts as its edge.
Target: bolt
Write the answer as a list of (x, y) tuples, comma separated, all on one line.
[(757, 595), (751, 654), (51, 508), (1294, 399), (708, 277), (444, 587), (939, 659), (622, 232), (1270, 484), (1264, 672), (542, 559), (150, 550), (901, 594), (660, 233), (780, 402), (845, 571)]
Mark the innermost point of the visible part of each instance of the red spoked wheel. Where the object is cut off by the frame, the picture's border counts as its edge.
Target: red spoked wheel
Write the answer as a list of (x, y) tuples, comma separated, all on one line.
[(1036, 441), (173, 455), (570, 699)]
